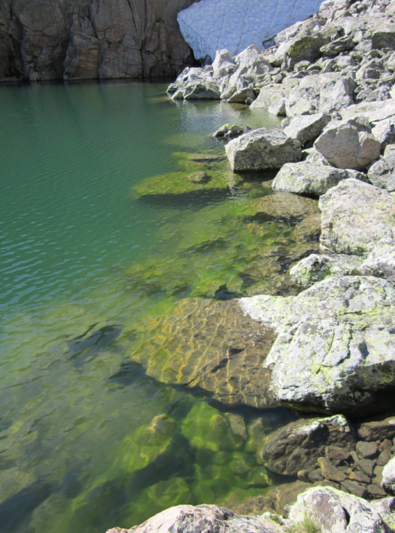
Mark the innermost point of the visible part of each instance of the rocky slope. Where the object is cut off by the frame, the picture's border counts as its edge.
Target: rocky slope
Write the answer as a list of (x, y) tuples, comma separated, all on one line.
[(85, 39)]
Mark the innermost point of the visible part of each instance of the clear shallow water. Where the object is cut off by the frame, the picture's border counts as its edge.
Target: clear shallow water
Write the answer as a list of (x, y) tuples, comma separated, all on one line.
[(88, 438)]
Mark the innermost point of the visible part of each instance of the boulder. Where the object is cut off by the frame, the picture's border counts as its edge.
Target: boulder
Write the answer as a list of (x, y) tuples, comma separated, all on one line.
[(298, 445), (344, 145), (384, 131), (202, 519), (388, 482), (223, 64), (268, 95), (284, 207), (381, 261), (262, 149), (343, 44), (355, 216), (336, 94), (372, 111), (205, 90), (317, 267), (228, 131), (309, 178), (335, 350), (300, 102), (307, 127), (332, 511), (305, 46), (382, 173)]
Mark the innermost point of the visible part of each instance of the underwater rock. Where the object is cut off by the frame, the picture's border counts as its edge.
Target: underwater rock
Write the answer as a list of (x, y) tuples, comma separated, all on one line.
[(199, 177), (208, 345), (284, 206)]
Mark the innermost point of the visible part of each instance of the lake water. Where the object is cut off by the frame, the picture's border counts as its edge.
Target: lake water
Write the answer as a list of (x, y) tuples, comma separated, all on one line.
[(91, 434)]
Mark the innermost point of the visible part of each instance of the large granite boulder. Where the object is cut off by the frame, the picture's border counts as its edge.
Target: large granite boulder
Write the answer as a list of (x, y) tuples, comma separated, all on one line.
[(333, 511), (373, 111), (346, 145), (298, 445), (262, 149), (310, 178), (91, 39), (202, 519), (355, 216), (336, 94), (335, 350), (388, 482), (306, 128)]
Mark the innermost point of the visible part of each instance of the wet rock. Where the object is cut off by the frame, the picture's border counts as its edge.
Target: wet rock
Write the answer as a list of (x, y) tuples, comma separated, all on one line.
[(210, 345), (355, 216), (307, 127), (336, 511), (299, 445), (381, 261), (284, 206), (199, 177), (309, 178), (337, 455), (388, 482), (367, 449), (320, 360), (382, 173), (318, 267), (203, 519), (345, 146), (384, 457), (329, 471), (228, 131), (262, 149), (308, 230)]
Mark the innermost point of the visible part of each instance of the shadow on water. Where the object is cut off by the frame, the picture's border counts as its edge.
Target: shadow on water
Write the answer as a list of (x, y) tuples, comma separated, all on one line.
[(190, 199), (16, 511), (87, 347)]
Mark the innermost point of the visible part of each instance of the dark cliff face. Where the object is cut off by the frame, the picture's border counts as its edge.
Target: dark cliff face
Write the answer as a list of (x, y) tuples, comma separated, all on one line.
[(87, 39)]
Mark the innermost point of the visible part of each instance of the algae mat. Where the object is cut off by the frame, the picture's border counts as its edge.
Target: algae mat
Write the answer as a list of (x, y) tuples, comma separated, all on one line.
[(123, 236)]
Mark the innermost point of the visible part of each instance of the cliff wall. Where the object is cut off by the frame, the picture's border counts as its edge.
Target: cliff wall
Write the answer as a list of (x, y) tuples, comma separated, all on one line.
[(87, 39)]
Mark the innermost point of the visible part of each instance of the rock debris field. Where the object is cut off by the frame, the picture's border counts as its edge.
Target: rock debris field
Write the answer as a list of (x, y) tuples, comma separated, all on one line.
[(331, 353)]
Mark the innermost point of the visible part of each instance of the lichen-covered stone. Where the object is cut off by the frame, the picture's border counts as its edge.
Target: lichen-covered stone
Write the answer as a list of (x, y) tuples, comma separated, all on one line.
[(334, 511), (262, 149), (381, 261), (336, 345), (310, 178), (306, 128), (355, 216), (318, 267)]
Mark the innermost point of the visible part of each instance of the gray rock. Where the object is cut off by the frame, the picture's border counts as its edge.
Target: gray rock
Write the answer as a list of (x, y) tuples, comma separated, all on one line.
[(228, 131), (309, 178), (382, 173), (355, 216), (317, 267), (345, 147), (367, 449), (335, 349), (300, 102), (277, 107), (388, 482), (202, 519), (373, 111), (384, 131), (381, 261), (268, 96), (371, 431), (370, 70), (306, 128), (223, 64), (385, 508), (262, 149), (305, 46), (298, 445), (335, 511), (336, 94), (343, 44), (240, 97), (205, 90)]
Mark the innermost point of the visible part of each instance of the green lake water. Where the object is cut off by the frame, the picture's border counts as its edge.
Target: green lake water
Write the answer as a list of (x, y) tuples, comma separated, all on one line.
[(92, 434)]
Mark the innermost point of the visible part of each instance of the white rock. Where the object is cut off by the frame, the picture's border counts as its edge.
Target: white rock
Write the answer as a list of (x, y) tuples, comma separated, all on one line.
[(388, 482)]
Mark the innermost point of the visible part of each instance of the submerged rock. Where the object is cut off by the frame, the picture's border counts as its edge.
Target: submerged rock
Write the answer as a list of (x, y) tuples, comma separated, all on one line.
[(336, 346), (355, 216), (210, 345), (262, 149), (298, 445)]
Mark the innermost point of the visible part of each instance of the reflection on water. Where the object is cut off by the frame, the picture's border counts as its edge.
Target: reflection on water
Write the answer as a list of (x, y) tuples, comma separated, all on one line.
[(92, 433)]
